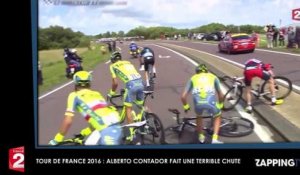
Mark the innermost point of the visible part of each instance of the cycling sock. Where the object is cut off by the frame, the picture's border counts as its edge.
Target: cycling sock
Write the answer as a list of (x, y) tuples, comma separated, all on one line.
[(273, 99), (147, 82), (215, 136)]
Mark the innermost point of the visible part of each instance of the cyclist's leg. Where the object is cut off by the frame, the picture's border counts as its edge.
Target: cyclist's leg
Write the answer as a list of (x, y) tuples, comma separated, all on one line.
[(248, 74), (199, 109), (111, 135), (146, 64)]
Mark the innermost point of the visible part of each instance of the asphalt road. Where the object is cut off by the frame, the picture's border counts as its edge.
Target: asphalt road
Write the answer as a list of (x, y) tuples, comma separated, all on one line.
[(173, 71)]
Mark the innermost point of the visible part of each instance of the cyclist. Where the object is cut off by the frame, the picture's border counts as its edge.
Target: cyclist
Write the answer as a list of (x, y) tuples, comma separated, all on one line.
[(133, 82), (103, 120), (256, 68), (207, 97), (147, 58)]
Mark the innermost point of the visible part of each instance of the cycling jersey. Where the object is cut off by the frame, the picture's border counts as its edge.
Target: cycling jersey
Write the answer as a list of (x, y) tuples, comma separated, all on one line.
[(133, 80), (255, 68), (93, 107), (124, 70), (203, 87)]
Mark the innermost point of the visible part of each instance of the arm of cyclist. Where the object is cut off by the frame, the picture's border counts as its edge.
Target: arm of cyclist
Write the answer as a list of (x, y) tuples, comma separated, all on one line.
[(114, 85), (184, 96), (220, 103), (59, 137)]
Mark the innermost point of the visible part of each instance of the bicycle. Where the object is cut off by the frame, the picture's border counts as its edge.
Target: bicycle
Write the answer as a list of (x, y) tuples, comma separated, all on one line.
[(230, 127), (283, 88), (150, 126)]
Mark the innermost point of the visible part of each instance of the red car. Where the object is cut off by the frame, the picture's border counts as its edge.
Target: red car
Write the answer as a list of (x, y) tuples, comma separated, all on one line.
[(236, 43)]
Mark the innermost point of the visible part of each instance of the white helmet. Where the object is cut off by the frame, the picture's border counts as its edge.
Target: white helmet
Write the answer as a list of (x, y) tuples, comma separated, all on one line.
[(73, 50), (132, 42)]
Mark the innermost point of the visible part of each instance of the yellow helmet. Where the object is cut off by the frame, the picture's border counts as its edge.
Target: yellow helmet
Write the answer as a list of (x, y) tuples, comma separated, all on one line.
[(82, 78)]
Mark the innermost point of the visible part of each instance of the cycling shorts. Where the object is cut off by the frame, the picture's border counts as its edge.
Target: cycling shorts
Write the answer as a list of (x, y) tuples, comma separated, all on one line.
[(251, 73), (134, 92), (111, 135), (148, 61), (207, 106)]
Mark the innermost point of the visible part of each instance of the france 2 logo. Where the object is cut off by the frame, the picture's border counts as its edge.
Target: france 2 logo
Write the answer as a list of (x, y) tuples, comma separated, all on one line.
[(296, 14), (16, 159)]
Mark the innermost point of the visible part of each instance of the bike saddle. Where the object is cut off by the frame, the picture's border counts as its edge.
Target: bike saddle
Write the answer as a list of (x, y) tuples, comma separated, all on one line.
[(148, 92), (175, 111)]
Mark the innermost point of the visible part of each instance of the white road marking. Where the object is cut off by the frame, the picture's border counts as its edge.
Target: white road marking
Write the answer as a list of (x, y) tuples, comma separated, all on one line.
[(167, 56), (60, 87), (263, 134), (236, 63)]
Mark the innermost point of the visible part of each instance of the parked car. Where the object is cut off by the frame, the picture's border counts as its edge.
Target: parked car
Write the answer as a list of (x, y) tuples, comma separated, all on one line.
[(236, 43), (215, 36)]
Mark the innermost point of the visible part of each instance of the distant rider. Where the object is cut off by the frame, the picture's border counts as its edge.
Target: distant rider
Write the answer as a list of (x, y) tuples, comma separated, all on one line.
[(147, 58)]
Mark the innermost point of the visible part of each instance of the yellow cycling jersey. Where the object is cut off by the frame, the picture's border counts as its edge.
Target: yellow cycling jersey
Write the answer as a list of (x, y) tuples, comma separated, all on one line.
[(92, 107), (124, 70), (203, 84)]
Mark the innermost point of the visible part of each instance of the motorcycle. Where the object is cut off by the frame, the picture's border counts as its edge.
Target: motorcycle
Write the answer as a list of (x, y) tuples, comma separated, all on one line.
[(73, 67), (134, 53)]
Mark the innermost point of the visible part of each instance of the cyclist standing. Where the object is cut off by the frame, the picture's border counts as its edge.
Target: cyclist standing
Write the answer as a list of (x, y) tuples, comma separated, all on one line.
[(103, 120), (147, 58), (133, 83), (256, 68), (207, 97)]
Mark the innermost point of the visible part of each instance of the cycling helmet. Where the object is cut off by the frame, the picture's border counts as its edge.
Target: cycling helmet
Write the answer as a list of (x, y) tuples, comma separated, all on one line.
[(132, 42), (82, 78), (201, 69), (115, 56), (66, 49)]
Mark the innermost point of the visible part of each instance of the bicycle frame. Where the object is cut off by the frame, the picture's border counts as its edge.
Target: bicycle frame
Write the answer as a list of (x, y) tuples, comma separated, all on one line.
[(256, 92)]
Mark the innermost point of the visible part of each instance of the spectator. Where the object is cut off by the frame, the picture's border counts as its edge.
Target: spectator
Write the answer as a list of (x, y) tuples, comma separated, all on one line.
[(269, 36), (275, 37), (281, 39), (297, 37), (40, 74), (255, 38), (291, 37)]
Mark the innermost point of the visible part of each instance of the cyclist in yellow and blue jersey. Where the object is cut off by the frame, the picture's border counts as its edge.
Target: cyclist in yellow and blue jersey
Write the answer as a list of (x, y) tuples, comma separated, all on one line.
[(133, 83), (207, 97), (104, 128)]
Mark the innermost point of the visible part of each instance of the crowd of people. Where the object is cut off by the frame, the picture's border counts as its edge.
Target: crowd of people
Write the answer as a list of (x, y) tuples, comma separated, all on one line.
[(288, 37)]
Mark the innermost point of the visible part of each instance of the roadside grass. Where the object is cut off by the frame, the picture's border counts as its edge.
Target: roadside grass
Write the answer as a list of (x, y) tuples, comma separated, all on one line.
[(53, 65)]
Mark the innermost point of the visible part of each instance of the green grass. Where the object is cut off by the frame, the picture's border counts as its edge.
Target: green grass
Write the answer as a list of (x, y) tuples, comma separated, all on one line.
[(53, 65)]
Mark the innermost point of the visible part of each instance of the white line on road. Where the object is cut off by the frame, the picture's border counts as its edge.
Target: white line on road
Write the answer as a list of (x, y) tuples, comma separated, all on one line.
[(258, 129), (60, 87), (236, 63)]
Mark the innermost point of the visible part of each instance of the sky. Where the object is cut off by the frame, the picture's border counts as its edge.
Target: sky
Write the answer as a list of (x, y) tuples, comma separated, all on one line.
[(128, 14)]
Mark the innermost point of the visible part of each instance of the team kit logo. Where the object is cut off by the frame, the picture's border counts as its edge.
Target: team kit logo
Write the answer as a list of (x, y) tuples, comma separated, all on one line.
[(16, 158)]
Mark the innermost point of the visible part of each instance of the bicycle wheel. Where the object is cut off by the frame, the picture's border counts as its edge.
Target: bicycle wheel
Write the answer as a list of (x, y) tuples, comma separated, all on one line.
[(236, 127), (232, 98), (152, 132), (283, 88)]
